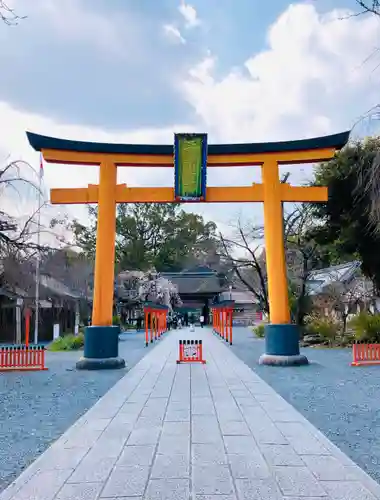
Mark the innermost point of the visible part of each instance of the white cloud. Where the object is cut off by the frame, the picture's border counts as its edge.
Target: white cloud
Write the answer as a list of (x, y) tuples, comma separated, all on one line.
[(309, 81), (189, 14), (173, 33)]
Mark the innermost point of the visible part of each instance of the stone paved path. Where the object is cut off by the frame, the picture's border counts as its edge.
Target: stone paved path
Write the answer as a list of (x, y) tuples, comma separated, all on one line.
[(200, 432)]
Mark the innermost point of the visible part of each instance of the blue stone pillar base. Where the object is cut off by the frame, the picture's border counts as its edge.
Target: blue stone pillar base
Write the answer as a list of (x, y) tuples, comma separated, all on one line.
[(282, 346), (101, 349)]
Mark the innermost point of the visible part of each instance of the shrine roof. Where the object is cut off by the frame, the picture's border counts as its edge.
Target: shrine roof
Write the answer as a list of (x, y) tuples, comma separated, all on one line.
[(195, 283), (40, 142)]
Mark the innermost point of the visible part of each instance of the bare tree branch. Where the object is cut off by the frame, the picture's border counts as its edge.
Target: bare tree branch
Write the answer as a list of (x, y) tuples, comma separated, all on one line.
[(8, 15), (369, 7)]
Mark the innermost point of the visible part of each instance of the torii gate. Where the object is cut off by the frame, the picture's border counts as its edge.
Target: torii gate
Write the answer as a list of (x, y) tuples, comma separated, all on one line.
[(189, 158)]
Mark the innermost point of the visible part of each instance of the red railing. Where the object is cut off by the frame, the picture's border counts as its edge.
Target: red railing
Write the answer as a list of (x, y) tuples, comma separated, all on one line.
[(191, 351), (365, 354), (222, 320), (155, 322), (22, 357)]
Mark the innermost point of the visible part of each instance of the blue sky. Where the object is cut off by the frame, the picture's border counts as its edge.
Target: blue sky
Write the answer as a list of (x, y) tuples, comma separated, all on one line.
[(137, 71)]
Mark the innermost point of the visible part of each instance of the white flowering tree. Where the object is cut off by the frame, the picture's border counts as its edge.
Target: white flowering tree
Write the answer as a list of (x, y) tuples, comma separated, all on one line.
[(148, 287)]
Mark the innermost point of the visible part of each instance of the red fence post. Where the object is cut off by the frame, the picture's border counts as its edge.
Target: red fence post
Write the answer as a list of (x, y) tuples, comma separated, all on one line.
[(146, 327), (27, 326), (231, 324)]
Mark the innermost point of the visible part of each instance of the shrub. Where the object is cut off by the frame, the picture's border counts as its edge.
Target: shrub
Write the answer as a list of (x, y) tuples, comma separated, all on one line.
[(116, 321), (324, 326), (68, 342), (366, 327), (259, 331)]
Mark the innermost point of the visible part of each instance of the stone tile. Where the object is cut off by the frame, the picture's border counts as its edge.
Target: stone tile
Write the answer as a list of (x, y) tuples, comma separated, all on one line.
[(148, 422), (216, 497), (98, 424), (171, 466), (44, 485), (130, 408), (289, 415), (177, 415), (133, 498), (241, 393), (136, 455), (212, 479), (84, 491), (248, 401), (280, 454), (202, 406), (301, 439), (182, 394), (234, 428), (57, 457), (347, 490), (270, 397), (229, 414), (171, 445), (108, 448), (208, 454), (239, 444), (250, 466), (126, 418), (263, 429), (259, 489), (168, 489), (105, 411), (82, 439), (298, 481), (326, 468), (117, 430), (156, 403), (179, 405), (93, 469), (306, 498), (176, 429), (144, 436), (126, 481), (205, 429)]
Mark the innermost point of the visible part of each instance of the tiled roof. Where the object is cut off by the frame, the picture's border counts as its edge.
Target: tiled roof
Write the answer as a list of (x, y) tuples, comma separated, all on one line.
[(321, 278), (188, 282)]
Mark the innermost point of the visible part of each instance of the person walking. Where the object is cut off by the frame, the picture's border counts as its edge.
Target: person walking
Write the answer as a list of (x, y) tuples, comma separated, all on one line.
[(202, 320)]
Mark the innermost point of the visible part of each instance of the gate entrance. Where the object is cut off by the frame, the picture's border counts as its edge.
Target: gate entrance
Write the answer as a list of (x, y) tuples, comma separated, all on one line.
[(189, 158)]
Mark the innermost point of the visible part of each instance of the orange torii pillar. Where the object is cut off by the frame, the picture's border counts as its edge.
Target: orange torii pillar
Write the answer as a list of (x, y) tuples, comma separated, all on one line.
[(155, 321), (222, 314)]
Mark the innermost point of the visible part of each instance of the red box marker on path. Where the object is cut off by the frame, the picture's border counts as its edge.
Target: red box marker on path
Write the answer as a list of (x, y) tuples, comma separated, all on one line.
[(190, 351)]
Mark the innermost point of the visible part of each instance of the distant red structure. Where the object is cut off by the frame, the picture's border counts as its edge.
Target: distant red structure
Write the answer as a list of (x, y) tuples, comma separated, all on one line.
[(222, 315)]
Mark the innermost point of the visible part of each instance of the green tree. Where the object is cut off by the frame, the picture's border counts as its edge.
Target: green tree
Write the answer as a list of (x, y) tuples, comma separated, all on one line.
[(154, 235), (347, 225)]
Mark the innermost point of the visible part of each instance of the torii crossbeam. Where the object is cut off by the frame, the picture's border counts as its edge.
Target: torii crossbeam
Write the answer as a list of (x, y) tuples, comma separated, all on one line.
[(282, 338)]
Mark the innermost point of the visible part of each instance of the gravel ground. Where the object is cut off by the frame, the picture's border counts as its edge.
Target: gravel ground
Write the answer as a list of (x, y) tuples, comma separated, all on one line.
[(341, 401), (37, 407)]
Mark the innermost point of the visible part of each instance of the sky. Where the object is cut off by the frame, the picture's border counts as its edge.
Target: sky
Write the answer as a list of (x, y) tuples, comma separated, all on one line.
[(137, 71)]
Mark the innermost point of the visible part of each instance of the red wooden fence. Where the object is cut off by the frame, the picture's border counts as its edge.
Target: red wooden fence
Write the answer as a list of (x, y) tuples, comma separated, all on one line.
[(23, 358), (365, 354)]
